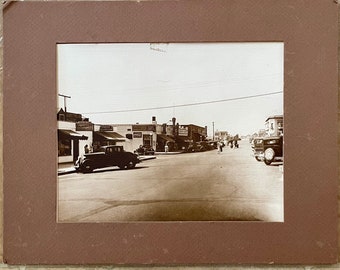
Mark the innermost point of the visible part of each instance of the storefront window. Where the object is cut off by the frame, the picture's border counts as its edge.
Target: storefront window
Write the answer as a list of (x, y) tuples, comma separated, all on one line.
[(64, 147)]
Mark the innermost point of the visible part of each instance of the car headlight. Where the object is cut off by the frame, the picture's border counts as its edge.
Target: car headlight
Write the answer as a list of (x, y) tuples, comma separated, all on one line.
[(272, 142), (269, 154)]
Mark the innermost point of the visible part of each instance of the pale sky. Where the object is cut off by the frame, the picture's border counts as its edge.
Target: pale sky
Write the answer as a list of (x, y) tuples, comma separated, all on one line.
[(105, 78)]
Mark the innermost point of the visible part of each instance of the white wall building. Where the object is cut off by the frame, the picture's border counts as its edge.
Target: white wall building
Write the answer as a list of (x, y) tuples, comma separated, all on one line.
[(71, 142)]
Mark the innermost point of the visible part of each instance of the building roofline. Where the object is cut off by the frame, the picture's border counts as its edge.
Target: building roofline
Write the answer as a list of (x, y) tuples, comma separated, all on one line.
[(279, 116)]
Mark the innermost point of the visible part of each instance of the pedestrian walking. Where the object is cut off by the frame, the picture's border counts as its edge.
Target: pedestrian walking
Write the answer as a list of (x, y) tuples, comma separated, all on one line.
[(236, 139), (219, 147)]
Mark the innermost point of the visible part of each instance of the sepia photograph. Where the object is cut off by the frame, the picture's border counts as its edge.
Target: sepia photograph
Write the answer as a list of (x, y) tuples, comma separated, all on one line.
[(150, 132)]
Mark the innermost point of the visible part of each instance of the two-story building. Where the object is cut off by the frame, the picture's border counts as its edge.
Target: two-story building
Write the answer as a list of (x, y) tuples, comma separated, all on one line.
[(274, 125), (178, 137)]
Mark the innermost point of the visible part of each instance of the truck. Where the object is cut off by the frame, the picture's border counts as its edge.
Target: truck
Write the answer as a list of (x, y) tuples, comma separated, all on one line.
[(269, 148), (107, 156)]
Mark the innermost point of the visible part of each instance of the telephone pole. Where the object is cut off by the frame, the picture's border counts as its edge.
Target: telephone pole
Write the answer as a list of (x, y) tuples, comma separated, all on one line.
[(65, 97), (213, 123)]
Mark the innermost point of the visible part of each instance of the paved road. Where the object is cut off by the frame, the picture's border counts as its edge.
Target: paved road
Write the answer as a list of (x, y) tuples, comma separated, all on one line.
[(203, 186)]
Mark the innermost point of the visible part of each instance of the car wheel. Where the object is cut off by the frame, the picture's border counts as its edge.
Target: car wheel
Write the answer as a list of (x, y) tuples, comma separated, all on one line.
[(121, 166), (267, 162), (131, 165), (258, 159), (87, 166), (269, 155)]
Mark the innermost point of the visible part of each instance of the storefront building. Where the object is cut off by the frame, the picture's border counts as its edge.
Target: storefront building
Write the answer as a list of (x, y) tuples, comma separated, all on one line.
[(75, 134), (190, 134), (104, 135), (71, 138), (69, 141), (131, 136), (179, 137)]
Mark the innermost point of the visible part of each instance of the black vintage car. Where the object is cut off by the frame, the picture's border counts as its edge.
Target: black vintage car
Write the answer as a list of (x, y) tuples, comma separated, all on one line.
[(200, 146), (268, 149), (107, 156)]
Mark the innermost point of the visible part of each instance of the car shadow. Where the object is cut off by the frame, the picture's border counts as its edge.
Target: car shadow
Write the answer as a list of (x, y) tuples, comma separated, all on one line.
[(110, 169)]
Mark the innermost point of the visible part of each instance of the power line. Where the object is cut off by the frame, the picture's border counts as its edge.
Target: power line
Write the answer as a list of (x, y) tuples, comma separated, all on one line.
[(187, 105)]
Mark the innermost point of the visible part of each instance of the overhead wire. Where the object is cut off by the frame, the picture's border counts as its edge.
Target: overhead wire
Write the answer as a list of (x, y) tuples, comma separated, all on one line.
[(187, 104)]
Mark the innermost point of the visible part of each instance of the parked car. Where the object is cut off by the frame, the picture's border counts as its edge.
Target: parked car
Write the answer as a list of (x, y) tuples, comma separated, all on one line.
[(145, 150), (107, 156), (214, 144), (200, 146), (268, 149)]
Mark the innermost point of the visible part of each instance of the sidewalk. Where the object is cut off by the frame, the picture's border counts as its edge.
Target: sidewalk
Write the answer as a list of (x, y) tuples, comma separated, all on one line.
[(169, 153), (65, 168)]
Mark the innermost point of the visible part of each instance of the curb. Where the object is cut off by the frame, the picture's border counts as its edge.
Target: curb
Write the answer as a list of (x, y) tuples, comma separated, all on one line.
[(144, 158), (168, 153), (66, 171)]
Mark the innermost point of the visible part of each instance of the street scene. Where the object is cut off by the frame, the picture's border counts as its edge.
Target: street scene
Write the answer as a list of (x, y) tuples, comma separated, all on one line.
[(230, 185), (170, 132)]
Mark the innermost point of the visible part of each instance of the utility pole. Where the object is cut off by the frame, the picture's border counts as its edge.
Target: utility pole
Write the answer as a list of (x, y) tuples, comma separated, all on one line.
[(213, 123), (65, 97)]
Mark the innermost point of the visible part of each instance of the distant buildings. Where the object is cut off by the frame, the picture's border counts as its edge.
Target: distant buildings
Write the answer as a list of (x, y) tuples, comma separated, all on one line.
[(74, 132), (221, 135)]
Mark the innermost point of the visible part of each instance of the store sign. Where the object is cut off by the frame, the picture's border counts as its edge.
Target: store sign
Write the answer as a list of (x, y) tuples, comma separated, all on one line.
[(106, 128), (137, 135), (183, 131), (84, 126), (144, 128)]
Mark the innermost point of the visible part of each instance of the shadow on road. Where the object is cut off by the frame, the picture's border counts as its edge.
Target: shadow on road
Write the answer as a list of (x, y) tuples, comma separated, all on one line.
[(118, 169), (185, 210)]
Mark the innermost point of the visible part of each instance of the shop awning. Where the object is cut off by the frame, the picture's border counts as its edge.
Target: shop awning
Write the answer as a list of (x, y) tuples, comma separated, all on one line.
[(109, 136), (71, 134), (165, 138)]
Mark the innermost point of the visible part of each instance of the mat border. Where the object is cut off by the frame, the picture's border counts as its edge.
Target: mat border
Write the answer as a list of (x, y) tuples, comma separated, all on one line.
[(309, 233)]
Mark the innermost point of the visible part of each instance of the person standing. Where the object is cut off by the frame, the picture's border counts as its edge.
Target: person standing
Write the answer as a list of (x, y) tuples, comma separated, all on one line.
[(86, 149), (236, 139)]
